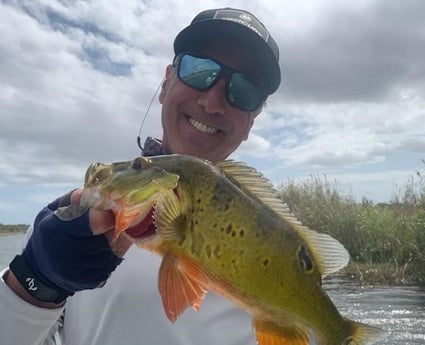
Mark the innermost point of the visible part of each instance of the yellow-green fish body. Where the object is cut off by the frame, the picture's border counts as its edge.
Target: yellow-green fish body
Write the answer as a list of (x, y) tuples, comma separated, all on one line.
[(223, 228)]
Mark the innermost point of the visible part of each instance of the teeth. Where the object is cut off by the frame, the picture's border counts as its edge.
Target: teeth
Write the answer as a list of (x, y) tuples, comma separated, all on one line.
[(202, 127)]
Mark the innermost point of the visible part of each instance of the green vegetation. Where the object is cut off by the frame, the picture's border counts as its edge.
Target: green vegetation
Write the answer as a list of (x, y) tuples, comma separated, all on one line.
[(386, 241), (12, 229)]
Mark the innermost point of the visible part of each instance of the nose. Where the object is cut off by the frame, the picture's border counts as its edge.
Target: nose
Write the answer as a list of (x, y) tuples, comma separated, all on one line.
[(213, 100)]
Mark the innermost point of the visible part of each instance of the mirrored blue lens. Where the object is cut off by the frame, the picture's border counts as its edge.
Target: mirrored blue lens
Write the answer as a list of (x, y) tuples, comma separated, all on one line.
[(202, 73), (242, 93), (198, 72)]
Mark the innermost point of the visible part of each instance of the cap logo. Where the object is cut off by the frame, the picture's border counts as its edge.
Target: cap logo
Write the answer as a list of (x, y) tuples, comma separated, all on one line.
[(243, 19), (244, 16)]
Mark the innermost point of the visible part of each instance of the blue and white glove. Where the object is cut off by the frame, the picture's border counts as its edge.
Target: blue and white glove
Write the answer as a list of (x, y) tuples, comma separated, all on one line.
[(62, 255)]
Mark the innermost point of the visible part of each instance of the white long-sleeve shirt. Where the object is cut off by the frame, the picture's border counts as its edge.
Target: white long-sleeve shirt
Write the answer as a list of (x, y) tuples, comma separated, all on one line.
[(126, 311)]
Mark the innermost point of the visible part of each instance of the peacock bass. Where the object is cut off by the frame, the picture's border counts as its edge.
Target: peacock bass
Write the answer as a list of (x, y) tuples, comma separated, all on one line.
[(222, 228)]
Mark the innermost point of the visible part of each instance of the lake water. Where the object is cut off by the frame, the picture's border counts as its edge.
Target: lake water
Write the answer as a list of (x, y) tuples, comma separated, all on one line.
[(9, 247), (398, 310)]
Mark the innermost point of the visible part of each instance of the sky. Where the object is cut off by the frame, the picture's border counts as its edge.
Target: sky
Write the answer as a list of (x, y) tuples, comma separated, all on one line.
[(76, 78)]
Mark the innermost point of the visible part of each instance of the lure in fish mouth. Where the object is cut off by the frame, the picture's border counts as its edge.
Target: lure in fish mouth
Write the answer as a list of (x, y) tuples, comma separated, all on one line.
[(222, 227)]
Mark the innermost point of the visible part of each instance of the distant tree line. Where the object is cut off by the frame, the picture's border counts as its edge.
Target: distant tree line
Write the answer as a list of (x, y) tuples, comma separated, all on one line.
[(9, 228)]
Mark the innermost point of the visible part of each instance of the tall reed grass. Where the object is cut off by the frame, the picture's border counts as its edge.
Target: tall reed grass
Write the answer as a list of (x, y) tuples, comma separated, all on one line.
[(386, 241)]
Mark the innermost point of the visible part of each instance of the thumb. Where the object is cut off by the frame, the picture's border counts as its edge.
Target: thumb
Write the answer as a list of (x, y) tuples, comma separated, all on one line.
[(100, 221), (75, 197), (103, 222)]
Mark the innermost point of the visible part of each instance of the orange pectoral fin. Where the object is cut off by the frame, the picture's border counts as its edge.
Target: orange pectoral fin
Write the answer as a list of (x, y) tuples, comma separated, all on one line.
[(177, 289), (268, 333)]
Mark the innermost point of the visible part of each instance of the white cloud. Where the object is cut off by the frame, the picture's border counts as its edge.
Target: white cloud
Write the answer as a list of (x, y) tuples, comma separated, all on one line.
[(77, 78)]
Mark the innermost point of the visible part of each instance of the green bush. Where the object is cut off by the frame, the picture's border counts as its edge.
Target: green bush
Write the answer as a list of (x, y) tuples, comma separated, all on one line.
[(386, 241), (320, 205), (419, 253)]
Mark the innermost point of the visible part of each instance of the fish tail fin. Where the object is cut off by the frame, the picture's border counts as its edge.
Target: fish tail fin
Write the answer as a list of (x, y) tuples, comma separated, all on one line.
[(362, 334)]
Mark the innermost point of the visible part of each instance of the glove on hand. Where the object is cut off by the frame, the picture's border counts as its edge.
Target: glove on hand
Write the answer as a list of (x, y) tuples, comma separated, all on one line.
[(63, 253)]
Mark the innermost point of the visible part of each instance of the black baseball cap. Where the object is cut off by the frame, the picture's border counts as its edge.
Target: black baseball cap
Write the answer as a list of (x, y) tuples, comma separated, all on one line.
[(244, 27)]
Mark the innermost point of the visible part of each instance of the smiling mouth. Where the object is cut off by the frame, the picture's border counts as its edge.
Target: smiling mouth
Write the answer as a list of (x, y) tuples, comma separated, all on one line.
[(202, 127)]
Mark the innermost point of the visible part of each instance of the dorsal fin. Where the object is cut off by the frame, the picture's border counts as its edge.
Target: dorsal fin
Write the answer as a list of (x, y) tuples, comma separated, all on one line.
[(328, 252), (252, 182), (257, 186)]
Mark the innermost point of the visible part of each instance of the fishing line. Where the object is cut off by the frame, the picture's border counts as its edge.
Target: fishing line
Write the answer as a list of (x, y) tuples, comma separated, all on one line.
[(146, 115)]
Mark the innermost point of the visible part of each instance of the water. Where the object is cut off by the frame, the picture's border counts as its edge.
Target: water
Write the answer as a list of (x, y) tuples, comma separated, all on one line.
[(10, 245), (398, 310)]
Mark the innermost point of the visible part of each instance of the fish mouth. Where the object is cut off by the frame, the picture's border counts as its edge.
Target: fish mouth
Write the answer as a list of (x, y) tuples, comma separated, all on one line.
[(144, 229), (202, 127)]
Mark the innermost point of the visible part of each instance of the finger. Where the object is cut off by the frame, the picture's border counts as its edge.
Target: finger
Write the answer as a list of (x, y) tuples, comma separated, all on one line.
[(101, 221), (76, 197)]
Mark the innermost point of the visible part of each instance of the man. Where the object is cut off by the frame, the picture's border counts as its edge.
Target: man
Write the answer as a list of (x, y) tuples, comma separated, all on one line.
[(226, 64)]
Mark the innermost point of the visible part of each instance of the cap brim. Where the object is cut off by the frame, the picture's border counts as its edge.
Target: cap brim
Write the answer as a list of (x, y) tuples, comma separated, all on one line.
[(195, 34)]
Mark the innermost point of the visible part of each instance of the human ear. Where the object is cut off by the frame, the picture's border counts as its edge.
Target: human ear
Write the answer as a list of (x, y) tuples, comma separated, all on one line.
[(252, 116), (165, 83), (248, 129)]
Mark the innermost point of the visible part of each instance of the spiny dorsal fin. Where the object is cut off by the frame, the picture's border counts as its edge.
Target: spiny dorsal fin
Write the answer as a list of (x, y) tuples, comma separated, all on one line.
[(328, 252), (252, 182)]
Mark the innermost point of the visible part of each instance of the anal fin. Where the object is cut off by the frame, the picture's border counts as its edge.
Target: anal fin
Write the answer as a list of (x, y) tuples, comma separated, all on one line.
[(268, 333), (177, 289)]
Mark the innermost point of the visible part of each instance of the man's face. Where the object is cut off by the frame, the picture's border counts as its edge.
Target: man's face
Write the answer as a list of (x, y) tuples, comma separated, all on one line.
[(203, 123)]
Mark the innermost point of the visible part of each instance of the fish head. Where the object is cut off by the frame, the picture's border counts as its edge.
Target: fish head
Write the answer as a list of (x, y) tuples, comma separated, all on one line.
[(100, 173), (129, 189), (128, 177)]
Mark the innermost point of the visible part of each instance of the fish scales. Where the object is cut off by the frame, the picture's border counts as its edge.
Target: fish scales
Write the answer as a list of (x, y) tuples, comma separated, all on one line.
[(251, 262)]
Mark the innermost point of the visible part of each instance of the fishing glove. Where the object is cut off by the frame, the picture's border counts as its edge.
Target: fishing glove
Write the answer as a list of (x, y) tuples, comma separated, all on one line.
[(62, 255)]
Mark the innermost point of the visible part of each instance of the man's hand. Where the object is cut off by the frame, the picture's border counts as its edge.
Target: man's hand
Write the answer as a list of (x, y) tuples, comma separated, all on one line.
[(71, 249), (103, 222)]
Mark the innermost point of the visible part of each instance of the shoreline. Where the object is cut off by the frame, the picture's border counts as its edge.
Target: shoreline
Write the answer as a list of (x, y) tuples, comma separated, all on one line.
[(11, 233)]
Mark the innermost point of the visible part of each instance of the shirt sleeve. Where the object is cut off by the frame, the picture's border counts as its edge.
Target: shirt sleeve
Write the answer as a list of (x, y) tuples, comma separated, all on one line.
[(22, 322)]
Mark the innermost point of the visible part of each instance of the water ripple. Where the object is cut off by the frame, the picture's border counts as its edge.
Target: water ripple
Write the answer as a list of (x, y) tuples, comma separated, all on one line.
[(398, 310)]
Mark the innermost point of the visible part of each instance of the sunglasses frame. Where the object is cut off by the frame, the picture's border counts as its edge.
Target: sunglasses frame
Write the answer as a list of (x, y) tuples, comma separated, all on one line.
[(225, 72)]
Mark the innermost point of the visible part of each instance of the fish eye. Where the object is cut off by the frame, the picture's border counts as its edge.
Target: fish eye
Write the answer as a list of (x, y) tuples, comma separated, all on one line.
[(140, 163)]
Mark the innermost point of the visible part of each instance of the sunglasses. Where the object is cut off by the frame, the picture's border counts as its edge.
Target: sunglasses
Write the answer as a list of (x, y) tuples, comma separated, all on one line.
[(201, 73)]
